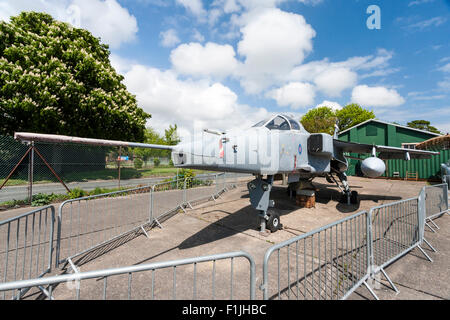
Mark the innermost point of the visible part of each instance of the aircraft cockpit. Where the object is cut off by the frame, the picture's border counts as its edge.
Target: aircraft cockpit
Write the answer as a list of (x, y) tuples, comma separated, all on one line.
[(280, 122)]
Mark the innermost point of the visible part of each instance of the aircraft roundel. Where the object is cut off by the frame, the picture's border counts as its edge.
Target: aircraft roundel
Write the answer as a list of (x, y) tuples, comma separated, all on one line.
[(299, 149)]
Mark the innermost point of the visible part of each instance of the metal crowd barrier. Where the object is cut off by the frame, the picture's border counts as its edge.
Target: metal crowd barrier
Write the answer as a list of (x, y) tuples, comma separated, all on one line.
[(436, 200), (395, 229), (333, 261), (89, 222), (26, 245), (200, 273), (90, 226), (327, 263)]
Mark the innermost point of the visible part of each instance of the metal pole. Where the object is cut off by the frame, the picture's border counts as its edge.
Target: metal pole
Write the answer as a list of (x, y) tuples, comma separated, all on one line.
[(51, 169), (15, 167), (118, 161), (30, 173)]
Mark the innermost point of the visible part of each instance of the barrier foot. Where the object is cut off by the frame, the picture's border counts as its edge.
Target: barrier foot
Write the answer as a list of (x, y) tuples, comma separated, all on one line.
[(428, 244), (425, 254), (426, 223), (145, 232), (157, 223), (390, 281), (371, 291), (73, 266), (46, 293), (434, 224)]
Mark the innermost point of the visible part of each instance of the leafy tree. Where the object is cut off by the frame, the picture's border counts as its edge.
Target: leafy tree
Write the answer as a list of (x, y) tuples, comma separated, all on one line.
[(351, 115), (171, 135), (423, 125), (55, 78), (151, 136), (318, 120)]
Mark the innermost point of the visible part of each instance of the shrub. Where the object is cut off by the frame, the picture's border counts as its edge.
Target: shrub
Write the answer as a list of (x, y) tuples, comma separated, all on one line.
[(77, 193), (42, 199), (156, 162)]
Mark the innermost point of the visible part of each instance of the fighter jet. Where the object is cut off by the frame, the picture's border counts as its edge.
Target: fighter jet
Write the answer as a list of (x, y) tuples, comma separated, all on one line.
[(279, 145)]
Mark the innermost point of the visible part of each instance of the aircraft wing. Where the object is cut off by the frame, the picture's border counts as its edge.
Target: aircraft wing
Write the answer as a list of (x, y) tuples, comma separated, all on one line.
[(54, 138), (384, 152)]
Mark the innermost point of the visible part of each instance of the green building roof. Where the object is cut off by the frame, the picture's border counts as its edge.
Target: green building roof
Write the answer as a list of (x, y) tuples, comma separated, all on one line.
[(379, 132)]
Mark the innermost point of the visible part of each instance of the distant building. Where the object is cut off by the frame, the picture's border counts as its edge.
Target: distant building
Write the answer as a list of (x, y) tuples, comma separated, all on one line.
[(390, 134)]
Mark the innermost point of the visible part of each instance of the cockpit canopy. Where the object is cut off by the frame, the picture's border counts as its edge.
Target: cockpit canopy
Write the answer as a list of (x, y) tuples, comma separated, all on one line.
[(280, 122)]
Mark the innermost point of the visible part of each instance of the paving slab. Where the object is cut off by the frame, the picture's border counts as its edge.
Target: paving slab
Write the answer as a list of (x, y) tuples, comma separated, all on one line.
[(230, 224)]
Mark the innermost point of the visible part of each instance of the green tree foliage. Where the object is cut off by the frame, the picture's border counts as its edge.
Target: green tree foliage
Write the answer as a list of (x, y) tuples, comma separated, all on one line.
[(319, 120), (423, 125), (151, 136), (171, 135), (323, 119), (351, 115), (55, 78)]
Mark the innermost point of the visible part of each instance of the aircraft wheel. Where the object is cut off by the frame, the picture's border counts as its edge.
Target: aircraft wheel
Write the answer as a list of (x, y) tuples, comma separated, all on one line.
[(354, 197), (273, 224)]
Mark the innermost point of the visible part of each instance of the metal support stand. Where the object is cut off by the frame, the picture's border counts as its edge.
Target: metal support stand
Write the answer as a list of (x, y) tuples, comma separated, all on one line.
[(390, 281), (370, 290), (425, 254), (145, 232), (429, 245)]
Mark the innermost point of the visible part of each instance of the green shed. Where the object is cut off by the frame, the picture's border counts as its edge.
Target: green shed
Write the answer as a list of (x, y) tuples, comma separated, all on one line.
[(378, 132)]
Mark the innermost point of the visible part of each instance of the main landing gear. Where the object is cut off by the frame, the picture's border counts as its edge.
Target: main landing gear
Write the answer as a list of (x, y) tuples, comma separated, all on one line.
[(348, 196), (259, 190)]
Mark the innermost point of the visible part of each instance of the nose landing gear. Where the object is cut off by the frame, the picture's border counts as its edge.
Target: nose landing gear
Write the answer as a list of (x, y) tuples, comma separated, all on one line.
[(259, 190)]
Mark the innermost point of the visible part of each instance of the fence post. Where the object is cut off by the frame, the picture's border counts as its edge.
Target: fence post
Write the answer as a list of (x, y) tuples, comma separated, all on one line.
[(217, 185), (150, 218), (30, 173), (184, 191), (118, 160), (422, 214), (369, 243), (446, 195)]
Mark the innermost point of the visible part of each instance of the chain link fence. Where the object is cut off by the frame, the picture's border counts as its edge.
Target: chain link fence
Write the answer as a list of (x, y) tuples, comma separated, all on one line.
[(34, 171)]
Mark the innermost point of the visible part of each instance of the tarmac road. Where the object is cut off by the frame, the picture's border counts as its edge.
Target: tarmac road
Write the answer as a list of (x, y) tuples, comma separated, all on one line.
[(21, 192)]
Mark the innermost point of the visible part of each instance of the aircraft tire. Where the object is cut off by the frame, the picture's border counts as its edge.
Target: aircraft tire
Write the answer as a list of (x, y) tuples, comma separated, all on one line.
[(273, 224)]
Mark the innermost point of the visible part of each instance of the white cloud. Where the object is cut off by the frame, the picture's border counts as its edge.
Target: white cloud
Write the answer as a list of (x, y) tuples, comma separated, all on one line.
[(209, 60), (333, 77), (295, 94), (419, 2), (169, 38), (188, 103), (334, 80), (433, 22), (331, 104), (198, 36), (273, 42), (376, 96), (445, 68), (194, 6), (444, 84), (252, 4), (105, 19)]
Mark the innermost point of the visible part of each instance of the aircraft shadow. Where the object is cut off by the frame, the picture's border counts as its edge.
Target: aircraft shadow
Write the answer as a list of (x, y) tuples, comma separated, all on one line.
[(246, 218)]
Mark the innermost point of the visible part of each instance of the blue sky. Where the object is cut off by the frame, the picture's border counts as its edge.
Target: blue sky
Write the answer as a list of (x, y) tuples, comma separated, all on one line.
[(227, 63)]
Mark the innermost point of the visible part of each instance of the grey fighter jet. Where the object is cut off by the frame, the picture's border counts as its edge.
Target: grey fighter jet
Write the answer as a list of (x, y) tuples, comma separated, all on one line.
[(275, 146), (280, 145)]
